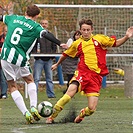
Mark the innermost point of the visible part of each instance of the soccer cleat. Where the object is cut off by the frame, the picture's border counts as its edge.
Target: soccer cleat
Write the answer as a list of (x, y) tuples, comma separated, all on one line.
[(35, 114), (49, 120), (80, 117), (29, 117)]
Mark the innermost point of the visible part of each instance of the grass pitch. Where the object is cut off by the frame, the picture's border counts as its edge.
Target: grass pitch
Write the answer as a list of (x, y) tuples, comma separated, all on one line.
[(113, 115)]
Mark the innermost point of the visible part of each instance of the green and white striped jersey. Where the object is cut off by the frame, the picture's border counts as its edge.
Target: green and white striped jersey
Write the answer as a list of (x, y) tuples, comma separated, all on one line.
[(20, 39)]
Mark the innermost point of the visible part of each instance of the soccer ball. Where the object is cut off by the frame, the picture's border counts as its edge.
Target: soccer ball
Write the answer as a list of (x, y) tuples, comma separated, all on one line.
[(45, 109)]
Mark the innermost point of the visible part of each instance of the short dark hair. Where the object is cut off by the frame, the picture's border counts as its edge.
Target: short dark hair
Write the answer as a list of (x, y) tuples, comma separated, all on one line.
[(32, 10), (85, 21)]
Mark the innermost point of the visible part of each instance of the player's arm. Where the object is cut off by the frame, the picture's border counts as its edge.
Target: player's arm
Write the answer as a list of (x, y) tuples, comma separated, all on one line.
[(1, 17), (129, 34), (62, 58), (50, 37)]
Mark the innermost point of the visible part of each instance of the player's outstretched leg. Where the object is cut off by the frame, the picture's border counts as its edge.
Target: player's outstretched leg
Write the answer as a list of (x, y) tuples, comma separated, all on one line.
[(33, 98), (58, 108), (84, 112), (35, 114), (29, 118)]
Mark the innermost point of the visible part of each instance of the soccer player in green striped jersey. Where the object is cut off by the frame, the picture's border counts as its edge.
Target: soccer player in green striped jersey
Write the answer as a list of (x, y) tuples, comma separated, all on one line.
[(20, 39)]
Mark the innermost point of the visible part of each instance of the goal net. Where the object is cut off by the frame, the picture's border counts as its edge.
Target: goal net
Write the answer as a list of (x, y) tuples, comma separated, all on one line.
[(107, 19)]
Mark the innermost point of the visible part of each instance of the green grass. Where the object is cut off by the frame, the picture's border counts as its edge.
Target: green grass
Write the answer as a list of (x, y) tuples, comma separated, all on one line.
[(113, 115)]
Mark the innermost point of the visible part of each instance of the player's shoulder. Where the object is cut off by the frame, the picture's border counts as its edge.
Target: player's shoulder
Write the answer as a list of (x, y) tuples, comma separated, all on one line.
[(76, 42), (80, 39), (11, 15), (100, 36)]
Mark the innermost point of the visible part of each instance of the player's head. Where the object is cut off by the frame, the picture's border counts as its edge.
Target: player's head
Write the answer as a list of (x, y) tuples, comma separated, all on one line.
[(44, 23), (32, 11), (76, 35), (86, 28)]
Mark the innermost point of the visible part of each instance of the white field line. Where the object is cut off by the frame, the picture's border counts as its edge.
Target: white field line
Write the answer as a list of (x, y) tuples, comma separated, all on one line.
[(20, 130)]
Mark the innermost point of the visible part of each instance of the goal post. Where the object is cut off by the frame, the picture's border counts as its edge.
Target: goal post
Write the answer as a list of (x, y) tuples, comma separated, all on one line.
[(82, 6), (107, 19)]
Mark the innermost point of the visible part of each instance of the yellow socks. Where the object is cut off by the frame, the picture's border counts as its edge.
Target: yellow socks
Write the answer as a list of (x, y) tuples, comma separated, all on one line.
[(86, 112), (119, 71), (60, 105)]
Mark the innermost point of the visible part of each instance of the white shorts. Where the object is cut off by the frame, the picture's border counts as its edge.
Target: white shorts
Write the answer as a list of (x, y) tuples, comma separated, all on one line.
[(14, 72)]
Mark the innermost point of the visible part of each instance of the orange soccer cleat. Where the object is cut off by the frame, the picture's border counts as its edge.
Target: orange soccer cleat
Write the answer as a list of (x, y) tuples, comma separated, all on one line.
[(80, 117), (49, 120)]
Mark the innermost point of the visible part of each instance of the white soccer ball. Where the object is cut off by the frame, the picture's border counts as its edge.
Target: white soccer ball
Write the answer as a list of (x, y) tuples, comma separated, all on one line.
[(45, 109)]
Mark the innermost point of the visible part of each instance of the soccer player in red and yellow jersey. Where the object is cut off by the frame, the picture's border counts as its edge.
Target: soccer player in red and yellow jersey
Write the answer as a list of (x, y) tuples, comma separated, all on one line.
[(91, 50)]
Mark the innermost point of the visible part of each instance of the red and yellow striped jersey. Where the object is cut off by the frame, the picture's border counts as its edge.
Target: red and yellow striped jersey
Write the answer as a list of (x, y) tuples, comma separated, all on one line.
[(92, 53)]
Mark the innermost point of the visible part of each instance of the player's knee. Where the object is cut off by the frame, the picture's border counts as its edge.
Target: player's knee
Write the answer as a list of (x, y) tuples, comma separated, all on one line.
[(75, 83)]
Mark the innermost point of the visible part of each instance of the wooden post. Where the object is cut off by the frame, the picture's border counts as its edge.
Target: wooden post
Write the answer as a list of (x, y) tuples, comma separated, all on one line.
[(128, 81)]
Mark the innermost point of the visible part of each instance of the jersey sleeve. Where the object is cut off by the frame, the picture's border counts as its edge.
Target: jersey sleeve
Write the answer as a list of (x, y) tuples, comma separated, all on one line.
[(48, 35), (39, 30), (7, 18), (106, 41), (72, 50)]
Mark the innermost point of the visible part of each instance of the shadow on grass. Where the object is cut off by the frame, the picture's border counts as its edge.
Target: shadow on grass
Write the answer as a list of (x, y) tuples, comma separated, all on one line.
[(70, 116)]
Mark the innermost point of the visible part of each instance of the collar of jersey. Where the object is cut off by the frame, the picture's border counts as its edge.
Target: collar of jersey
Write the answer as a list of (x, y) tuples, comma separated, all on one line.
[(86, 39)]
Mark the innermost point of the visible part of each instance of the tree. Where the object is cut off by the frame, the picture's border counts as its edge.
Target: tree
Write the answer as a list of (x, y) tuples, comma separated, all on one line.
[(20, 6), (6, 7)]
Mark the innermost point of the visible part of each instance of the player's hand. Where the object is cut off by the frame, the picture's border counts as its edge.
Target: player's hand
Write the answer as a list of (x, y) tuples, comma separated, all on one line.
[(54, 66), (129, 32), (63, 45)]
